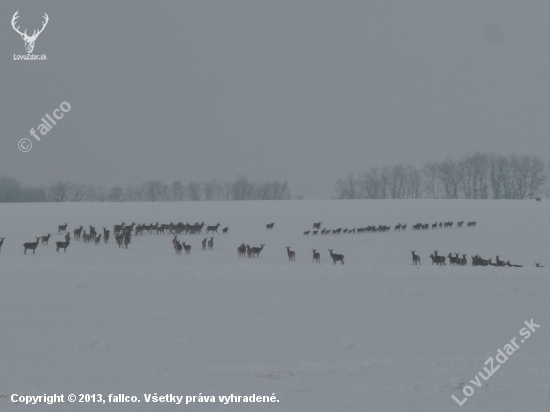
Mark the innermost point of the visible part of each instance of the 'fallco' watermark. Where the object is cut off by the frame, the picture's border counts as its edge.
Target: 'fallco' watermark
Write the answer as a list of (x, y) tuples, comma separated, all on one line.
[(47, 124), (501, 358)]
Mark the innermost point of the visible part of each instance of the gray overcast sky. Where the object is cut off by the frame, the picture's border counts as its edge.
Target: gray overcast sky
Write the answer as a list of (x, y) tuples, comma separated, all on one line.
[(304, 91)]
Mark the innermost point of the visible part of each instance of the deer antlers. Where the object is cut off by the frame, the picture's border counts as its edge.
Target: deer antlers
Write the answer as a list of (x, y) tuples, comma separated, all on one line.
[(29, 39)]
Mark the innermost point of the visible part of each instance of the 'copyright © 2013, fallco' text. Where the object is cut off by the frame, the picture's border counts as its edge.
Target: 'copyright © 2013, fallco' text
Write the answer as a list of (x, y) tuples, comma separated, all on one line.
[(147, 398)]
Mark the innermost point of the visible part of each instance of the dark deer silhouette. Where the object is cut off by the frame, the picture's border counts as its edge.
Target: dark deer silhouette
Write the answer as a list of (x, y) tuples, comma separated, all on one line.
[(241, 250), (537, 264), (225, 229), (77, 233), (106, 233), (538, 199), (416, 258), (256, 250), (316, 256), (31, 245), (291, 254), (44, 240), (212, 228), (62, 245), (204, 243), (336, 257), (211, 243), (186, 247), (269, 226), (62, 228)]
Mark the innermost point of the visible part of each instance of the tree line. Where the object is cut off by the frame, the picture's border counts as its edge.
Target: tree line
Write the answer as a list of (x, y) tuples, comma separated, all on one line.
[(152, 191), (474, 176)]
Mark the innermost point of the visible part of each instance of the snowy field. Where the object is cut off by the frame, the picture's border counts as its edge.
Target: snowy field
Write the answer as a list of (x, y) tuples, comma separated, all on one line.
[(377, 334)]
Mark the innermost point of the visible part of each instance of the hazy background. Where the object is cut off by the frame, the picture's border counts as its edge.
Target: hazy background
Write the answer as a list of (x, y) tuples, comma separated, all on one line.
[(304, 91)]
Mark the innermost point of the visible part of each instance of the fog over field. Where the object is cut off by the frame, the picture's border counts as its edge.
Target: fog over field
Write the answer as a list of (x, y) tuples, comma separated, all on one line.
[(305, 92)]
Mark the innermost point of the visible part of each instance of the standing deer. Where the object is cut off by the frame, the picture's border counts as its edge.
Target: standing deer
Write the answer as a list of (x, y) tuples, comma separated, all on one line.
[(307, 233), (106, 233), (316, 256), (256, 250), (416, 258), (269, 226), (178, 246), (225, 229), (317, 225), (186, 247), (336, 257), (62, 229), (43, 240), (538, 200), (31, 245), (248, 251), (77, 232), (67, 237), (62, 245), (204, 243), (211, 243), (291, 254), (1, 242), (241, 250), (98, 239)]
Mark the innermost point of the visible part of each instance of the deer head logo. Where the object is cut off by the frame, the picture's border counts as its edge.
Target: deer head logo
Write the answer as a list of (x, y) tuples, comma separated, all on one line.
[(29, 40)]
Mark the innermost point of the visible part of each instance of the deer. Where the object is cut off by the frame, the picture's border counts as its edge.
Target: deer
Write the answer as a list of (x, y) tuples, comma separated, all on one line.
[(98, 240), (440, 259), (204, 243), (127, 239), (291, 254), (43, 240), (225, 229), (118, 228), (256, 250), (248, 251), (434, 226), (178, 246), (537, 264), (62, 228), (306, 233), (336, 257), (403, 227), (538, 199), (77, 233), (269, 226), (453, 260), (317, 225), (314, 233), (2, 242), (241, 250), (67, 237), (459, 224), (513, 266), (31, 245), (416, 258), (499, 262), (186, 247), (211, 243), (397, 227), (106, 233), (29, 40), (212, 228), (62, 245), (316, 256)]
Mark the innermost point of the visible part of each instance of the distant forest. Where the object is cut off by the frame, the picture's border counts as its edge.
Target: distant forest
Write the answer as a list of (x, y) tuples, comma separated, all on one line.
[(474, 176), (153, 191)]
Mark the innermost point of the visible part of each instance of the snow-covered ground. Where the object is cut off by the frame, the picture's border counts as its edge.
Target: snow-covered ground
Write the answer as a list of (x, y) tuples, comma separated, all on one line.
[(377, 334)]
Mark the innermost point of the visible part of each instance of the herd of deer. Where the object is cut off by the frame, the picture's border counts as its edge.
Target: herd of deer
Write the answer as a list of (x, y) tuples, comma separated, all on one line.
[(380, 228), (462, 261), (123, 234)]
